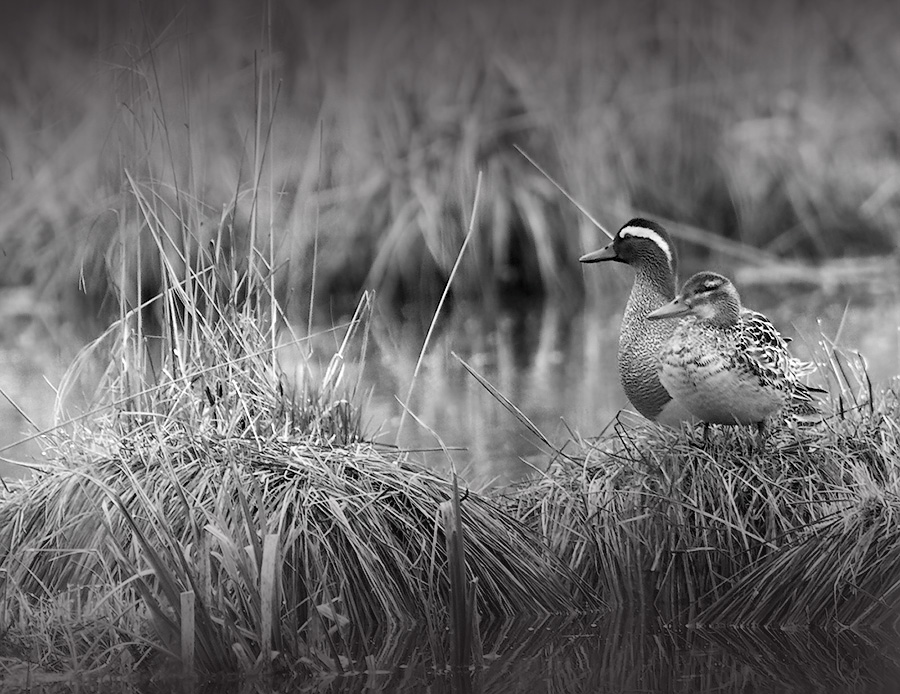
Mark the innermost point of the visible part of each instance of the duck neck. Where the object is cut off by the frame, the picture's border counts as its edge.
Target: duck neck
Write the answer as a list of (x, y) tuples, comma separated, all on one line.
[(656, 276), (653, 286), (725, 316)]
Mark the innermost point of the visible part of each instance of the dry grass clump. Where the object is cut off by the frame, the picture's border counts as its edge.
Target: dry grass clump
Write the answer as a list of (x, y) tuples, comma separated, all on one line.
[(286, 545), (844, 572), (204, 507), (666, 521)]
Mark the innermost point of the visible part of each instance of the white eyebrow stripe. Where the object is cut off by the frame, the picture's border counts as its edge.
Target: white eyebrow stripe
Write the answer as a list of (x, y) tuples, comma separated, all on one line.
[(644, 233)]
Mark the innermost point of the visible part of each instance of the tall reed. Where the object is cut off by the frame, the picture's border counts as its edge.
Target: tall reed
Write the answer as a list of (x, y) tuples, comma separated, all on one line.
[(385, 116)]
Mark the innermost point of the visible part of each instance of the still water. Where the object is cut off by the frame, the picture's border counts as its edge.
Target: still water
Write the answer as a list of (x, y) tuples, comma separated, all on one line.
[(558, 366)]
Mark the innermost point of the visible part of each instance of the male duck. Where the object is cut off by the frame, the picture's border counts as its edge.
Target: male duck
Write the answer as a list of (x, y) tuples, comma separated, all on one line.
[(646, 247), (725, 363)]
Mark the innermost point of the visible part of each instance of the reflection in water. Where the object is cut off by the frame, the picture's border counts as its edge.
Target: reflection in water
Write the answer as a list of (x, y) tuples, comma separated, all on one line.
[(538, 360), (612, 654)]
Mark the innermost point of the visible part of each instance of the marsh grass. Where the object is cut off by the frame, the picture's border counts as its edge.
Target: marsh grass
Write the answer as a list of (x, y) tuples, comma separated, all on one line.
[(717, 531), (198, 479), (357, 542), (780, 148), (199, 506), (203, 512)]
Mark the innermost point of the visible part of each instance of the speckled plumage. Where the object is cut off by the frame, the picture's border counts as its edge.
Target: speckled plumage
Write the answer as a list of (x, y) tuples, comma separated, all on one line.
[(724, 363), (646, 247)]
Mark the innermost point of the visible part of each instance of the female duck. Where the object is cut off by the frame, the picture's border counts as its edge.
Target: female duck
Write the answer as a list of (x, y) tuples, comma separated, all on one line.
[(725, 363)]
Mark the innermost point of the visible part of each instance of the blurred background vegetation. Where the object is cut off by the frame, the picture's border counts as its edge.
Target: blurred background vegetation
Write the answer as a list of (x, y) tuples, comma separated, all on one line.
[(346, 136)]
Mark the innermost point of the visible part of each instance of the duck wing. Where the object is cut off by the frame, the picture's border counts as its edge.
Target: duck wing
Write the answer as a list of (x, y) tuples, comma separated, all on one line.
[(767, 350)]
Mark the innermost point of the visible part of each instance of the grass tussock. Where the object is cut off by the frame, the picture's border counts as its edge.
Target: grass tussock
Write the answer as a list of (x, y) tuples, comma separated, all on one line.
[(843, 572), (197, 505), (348, 538), (803, 531)]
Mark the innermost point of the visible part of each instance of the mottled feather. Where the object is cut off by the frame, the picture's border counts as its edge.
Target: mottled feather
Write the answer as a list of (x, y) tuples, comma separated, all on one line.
[(726, 363)]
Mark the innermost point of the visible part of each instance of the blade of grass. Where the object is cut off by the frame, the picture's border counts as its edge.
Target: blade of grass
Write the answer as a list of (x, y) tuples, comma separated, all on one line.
[(440, 306), (562, 190)]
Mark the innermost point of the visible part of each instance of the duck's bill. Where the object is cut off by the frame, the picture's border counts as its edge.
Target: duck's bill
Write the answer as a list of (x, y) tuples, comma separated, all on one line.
[(673, 309), (605, 253)]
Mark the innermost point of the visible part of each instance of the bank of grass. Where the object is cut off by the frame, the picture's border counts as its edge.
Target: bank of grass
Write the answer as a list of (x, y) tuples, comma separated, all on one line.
[(717, 532), (786, 146)]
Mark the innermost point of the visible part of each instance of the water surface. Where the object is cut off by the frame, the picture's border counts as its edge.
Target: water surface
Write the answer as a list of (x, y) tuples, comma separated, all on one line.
[(557, 364), (558, 367)]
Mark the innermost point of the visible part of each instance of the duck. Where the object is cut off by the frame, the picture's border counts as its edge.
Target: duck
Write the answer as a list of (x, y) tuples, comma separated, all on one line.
[(645, 245), (725, 363)]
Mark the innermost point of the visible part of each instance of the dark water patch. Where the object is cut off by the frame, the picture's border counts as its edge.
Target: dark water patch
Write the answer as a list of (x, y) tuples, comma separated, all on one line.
[(612, 655)]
